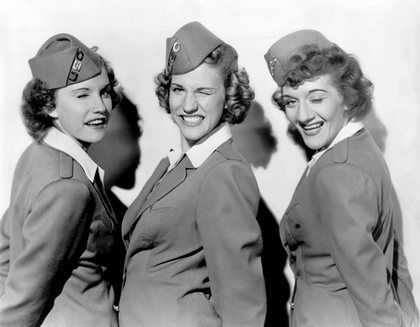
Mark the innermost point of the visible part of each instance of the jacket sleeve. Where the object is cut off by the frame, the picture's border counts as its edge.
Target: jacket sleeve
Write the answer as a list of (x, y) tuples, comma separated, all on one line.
[(348, 205), (401, 279), (226, 215), (55, 233), (4, 251)]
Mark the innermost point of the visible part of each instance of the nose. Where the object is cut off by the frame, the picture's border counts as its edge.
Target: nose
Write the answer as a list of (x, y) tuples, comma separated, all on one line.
[(305, 114), (190, 103), (99, 105)]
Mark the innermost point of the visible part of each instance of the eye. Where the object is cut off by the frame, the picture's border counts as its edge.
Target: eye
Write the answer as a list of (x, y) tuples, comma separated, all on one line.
[(317, 100), (81, 95), (106, 92), (290, 103), (176, 89), (205, 91)]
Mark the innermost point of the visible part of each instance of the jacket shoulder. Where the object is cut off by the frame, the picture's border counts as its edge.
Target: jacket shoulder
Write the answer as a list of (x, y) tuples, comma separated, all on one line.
[(228, 151), (41, 165)]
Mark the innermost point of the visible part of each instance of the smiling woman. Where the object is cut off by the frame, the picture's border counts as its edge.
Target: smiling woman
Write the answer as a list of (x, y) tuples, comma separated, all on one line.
[(82, 110), (339, 228), (193, 241), (59, 239), (316, 109), (196, 101)]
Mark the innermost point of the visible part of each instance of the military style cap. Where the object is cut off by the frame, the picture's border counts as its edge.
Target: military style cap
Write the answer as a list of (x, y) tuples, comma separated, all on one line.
[(63, 60), (187, 49), (288, 46)]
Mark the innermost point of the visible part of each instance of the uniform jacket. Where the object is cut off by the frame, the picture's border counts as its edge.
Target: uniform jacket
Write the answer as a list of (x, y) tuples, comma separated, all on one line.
[(194, 247), (349, 266), (58, 240)]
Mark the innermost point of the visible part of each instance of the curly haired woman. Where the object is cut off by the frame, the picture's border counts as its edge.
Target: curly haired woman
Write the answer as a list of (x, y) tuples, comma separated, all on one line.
[(193, 241), (59, 240), (338, 229)]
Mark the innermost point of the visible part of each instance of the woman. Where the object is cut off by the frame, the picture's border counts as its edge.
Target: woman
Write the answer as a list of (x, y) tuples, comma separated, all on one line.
[(192, 239), (338, 230), (59, 238)]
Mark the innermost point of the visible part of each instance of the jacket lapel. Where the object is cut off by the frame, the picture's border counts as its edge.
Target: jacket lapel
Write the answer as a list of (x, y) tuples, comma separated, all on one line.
[(100, 190), (132, 213), (175, 177)]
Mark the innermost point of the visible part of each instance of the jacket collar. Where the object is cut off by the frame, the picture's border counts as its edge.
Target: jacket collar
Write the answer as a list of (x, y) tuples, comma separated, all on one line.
[(68, 145), (204, 148)]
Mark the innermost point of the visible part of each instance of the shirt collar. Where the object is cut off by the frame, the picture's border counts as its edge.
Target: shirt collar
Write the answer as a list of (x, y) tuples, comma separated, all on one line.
[(351, 128), (68, 145), (200, 152)]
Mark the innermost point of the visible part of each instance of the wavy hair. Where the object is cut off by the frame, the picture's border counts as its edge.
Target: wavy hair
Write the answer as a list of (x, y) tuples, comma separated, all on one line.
[(239, 94), (347, 76), (38, 101)]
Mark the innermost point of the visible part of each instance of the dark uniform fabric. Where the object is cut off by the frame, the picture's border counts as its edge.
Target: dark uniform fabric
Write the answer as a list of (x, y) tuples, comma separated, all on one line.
[(194, 247), (58, 242), (344, 251)]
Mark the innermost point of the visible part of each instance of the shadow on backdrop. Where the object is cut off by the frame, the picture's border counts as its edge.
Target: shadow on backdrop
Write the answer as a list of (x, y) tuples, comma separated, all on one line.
[(118, 154), (255, 141)]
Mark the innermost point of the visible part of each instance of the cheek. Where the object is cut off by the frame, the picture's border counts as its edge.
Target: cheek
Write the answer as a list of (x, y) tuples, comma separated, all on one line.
[(336, 114), (216, 106), (174, 103), (291, 115)]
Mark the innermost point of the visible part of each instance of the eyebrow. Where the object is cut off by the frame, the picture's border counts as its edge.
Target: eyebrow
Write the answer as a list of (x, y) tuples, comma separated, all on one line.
[(317, 90), (80, 89), (198, 88), (311, 91)]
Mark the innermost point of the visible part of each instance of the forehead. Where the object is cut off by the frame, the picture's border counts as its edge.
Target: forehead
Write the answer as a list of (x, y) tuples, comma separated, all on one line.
[(203, 75), (323, 82)]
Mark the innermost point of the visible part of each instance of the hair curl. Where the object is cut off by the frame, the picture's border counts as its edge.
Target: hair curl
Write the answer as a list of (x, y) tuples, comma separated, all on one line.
[(239, 94), (38, 101), (311, 62)]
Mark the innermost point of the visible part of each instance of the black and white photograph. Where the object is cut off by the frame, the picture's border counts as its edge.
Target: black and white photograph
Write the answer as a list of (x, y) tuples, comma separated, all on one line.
[(223, 163)]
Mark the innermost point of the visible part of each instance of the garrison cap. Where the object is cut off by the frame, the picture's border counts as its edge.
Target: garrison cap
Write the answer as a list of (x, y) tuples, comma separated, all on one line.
[(288, 46), (189, 46), (63, 60)]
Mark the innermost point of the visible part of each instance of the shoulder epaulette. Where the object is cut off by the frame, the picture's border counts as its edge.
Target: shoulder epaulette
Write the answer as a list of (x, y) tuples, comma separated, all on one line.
[(66, 166)]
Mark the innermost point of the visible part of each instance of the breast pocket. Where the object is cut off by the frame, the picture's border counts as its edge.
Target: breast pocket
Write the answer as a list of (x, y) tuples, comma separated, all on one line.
[(172, 235), (302, 223)]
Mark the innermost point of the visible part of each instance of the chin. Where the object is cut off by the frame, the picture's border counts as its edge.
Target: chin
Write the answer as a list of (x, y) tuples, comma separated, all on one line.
[(314, 144), (193, 137)]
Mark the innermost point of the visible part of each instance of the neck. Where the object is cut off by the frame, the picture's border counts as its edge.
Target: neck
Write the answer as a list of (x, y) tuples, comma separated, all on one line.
[(83, 145)]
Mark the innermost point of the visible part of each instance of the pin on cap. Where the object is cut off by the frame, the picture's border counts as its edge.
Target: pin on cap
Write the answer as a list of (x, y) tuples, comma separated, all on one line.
[(281, 51), (63, 60), (188, 48)]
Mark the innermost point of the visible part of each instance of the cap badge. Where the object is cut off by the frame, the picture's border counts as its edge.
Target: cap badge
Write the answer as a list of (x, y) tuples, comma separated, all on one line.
[(172, 56), (272, 61), (76, 65)]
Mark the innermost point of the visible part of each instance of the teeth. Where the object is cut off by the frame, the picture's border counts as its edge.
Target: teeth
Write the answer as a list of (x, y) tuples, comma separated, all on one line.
[(312, 126), (192, 119), (96, 122)]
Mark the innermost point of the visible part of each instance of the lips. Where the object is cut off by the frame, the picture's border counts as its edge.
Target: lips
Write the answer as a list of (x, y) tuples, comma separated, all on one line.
[(311, 129), (97, 122), (192, 120)]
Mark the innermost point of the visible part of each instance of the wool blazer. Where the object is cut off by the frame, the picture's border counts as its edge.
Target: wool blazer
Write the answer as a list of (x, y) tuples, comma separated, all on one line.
[(58, 243), (339, 232), (194, 247)]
